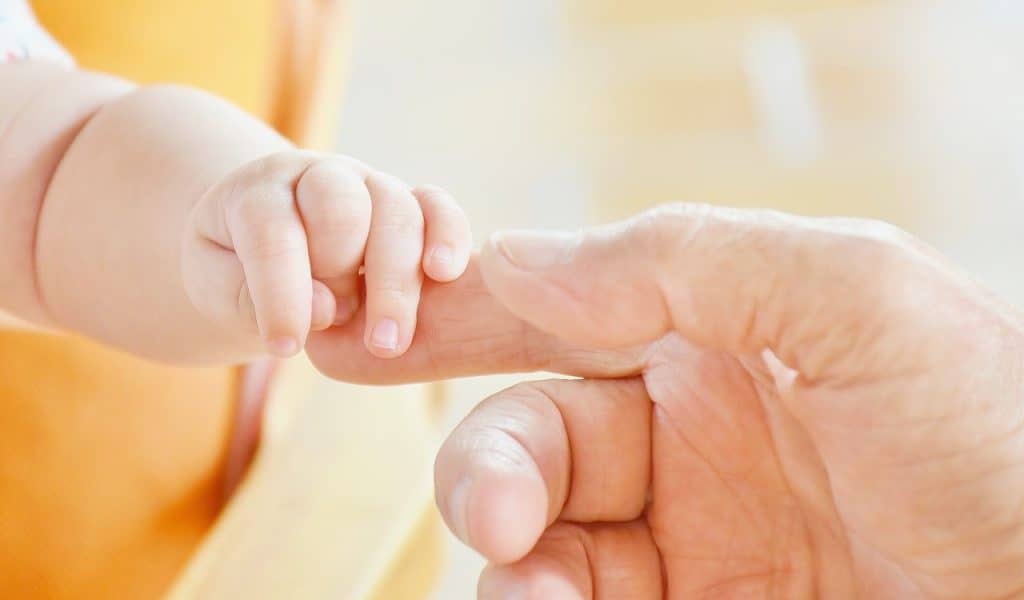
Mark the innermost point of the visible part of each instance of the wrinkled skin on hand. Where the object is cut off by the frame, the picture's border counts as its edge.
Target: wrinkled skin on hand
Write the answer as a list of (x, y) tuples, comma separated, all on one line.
[(774, 407)]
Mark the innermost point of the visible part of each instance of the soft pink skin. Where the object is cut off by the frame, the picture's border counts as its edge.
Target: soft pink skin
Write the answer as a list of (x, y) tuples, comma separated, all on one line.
[(168, 223), (792, 408), (276, 249), (812, 407)]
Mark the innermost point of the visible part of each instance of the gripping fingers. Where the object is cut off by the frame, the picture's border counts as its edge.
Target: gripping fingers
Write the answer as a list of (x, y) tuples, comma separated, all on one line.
[(246, 261), (393, 274), (270, 241), (449, 240), (336, 209)]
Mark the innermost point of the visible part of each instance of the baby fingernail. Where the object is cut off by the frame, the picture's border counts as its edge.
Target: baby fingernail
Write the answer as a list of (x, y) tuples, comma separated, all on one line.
[(442, 255), (385, 334), (283, 346)]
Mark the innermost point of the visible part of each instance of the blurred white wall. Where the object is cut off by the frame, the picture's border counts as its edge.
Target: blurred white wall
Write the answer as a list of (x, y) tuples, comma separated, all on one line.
[(455, 92)]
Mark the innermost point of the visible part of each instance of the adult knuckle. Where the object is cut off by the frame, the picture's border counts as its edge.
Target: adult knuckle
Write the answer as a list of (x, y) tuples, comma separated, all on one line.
[(663, 232), (880, 247), (885, 266)]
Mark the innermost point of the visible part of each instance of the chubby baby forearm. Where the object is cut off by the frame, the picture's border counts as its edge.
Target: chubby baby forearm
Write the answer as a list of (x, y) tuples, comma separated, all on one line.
[(166, 222), (121, 197), (42, 108), (103, 176)]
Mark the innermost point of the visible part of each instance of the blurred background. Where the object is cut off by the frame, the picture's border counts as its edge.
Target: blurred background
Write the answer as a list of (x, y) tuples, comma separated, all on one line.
[(560, 113)]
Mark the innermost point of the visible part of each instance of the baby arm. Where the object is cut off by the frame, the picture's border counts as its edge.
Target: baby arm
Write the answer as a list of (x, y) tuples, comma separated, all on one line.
[(168, 223)]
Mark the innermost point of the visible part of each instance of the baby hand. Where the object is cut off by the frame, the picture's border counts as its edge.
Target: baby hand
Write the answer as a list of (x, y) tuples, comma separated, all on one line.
[(276, 249)]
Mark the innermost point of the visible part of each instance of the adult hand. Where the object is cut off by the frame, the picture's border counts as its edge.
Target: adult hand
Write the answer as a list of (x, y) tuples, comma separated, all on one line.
[(790, 407)]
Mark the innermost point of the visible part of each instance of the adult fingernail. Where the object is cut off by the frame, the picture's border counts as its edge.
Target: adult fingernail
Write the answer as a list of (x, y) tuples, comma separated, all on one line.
[(385, 334), (283, 346), (458, 509), (347, 307), (536, 250)]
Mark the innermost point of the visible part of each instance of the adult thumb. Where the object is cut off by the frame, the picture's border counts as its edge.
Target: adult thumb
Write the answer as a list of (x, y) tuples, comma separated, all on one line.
[(733, 280)]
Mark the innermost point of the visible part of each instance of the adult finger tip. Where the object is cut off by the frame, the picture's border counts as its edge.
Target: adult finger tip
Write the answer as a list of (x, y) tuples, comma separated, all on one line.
[(500, 514), (526, 582)]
